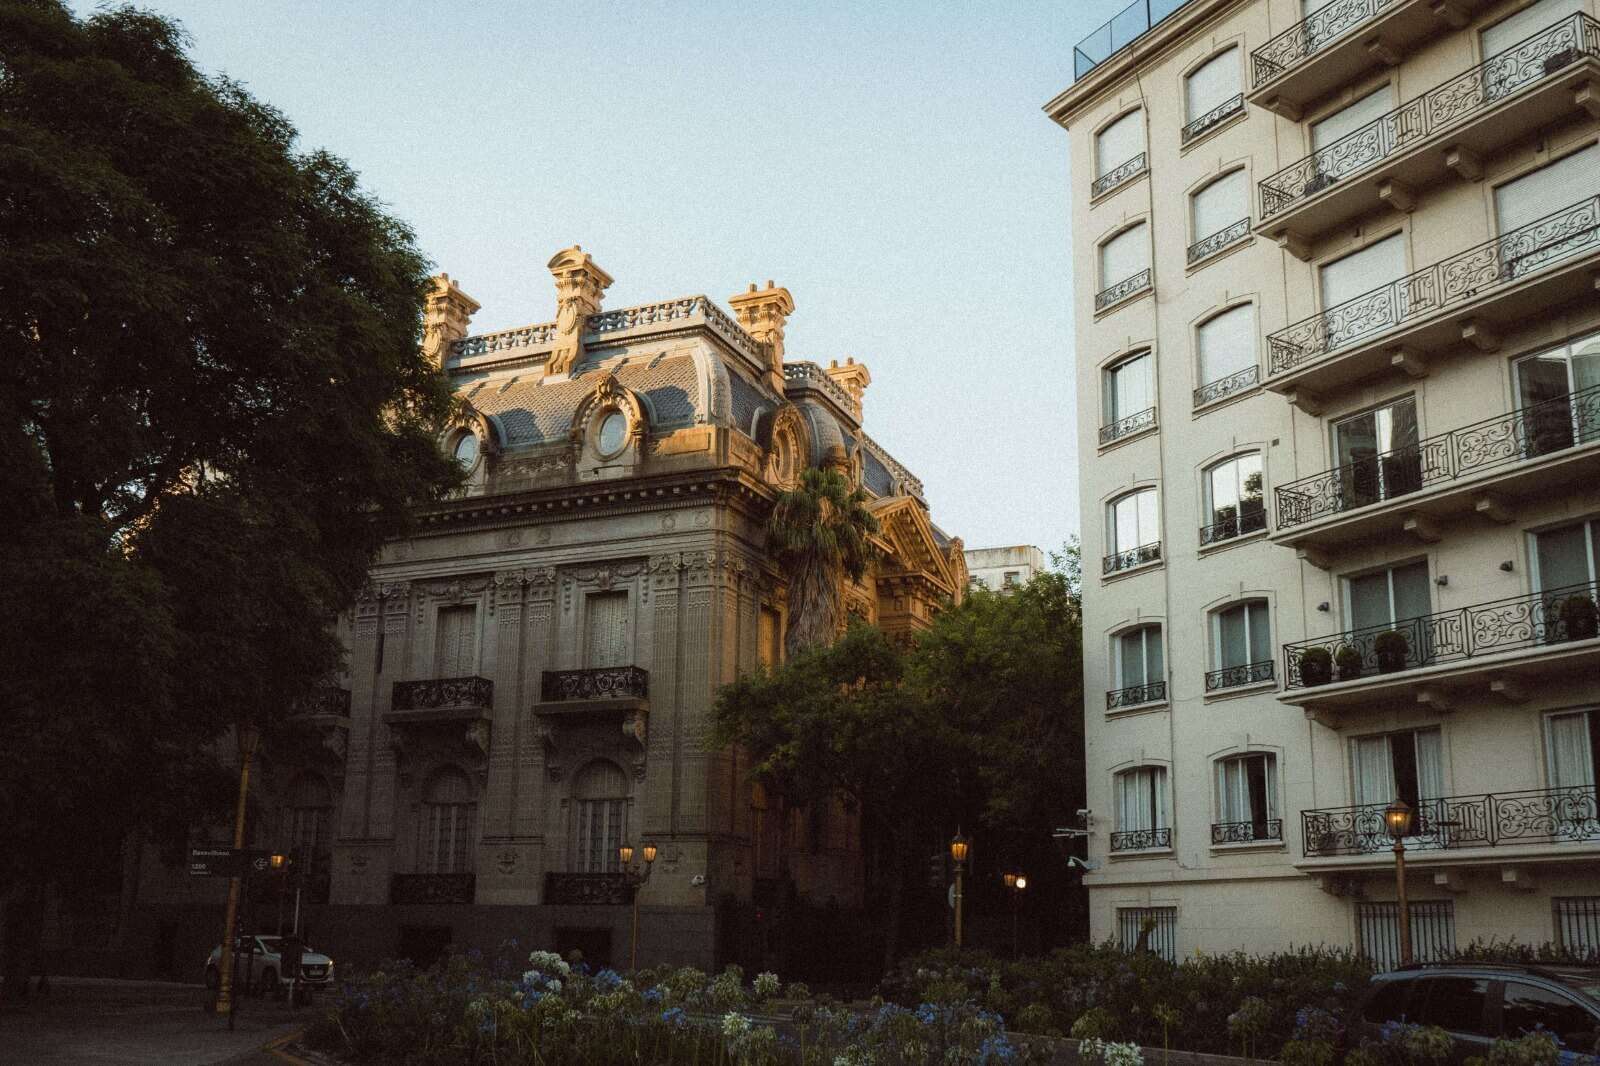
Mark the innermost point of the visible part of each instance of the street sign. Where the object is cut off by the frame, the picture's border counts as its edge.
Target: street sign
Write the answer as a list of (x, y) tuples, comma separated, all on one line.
[(212, 862), (259, 862)]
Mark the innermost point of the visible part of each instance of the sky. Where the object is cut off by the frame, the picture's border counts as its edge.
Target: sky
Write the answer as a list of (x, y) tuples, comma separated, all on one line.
[(889, 163)]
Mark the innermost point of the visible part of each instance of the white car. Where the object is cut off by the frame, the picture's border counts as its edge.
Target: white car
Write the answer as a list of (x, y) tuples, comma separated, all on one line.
[(266, 967)]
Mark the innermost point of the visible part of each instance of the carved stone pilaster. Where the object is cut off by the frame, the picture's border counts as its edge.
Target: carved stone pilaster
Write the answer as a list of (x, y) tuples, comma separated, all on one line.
[(580, 285)]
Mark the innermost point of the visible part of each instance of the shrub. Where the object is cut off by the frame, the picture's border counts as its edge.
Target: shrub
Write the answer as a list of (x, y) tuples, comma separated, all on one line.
[(1316, 666), (1391, 648), (1348, 660)]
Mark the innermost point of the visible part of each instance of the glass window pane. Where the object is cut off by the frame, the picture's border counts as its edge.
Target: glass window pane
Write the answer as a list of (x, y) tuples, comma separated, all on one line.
[(1455, 1004), (1222, 486), (1411, 599), (1369, 600), (1149, 531), (1260, 632), (1529, 1007), (1131, 652), (1156, 668), (1233, 645), (1129, 391), (1563, 557)]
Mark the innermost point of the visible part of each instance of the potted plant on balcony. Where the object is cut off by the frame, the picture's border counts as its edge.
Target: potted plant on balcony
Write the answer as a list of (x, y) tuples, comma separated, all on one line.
[(1316, 666), (1579, 618), (1348, 660), (1316, 183), (1391, 648), (1556, 60)]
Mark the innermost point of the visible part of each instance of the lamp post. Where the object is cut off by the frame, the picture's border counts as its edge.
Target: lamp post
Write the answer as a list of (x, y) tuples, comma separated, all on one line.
[(1016, 883), (635, 879), (959, 848), (249, 739), (1397, 818)]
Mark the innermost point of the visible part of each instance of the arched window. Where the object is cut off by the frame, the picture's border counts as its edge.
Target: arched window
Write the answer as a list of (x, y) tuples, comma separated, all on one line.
[(1133, 532), (1234, 501), (1241, 646), (1211, 92), (1218, 207), (1128, 394), (1226, 346), (449, 823), (1115, 148), (1142, 818), (1247, 799), (1124, 256), (304, 816), (600, 817)]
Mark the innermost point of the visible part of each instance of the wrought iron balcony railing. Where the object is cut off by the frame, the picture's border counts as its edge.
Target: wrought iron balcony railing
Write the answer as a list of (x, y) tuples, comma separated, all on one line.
[(1525, 63), (1551, 617), (1481, 269), (587, 889), (1118, 561), (1268, 829), (1216, 242), (1127, 427), (1123, 289), (432, 888), (1493, 820), (1527, 433), (440, 692), (1211, 118), (600, 683), (1136, 695), (327, 700), (1239, 676), (1308, 37), (1119, 174), (1253, 520), (1141, 839), (1124, 28)]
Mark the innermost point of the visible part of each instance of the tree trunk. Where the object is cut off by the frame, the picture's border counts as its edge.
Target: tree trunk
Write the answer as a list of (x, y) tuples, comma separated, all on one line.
[(814, 608)]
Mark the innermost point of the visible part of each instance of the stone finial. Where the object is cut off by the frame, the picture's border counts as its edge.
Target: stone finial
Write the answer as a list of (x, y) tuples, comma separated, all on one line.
[(580, 283), (834, 457), (446, 312), (853, 377), (763, 313)]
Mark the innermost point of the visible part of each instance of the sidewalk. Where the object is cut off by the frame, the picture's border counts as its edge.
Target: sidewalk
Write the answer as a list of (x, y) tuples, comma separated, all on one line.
[(104, 1022)]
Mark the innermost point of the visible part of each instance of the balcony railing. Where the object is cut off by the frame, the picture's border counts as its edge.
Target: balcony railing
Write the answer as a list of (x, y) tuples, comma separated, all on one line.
[(432, 888), (1119, 174), (1525, 63), (1239, 676), (441, 692), (1122, 290), (587, 889), (1141, 839), (1124, 28), (327, 700), (1527, 433), (601, 683), (1136, 695), (1237, 525), (1268, 829), (1481, 269), (1551, 617), (1118, 561), (1216, 242), (1308, 37), (1199, 126), (1127, 427), (1501, 819)]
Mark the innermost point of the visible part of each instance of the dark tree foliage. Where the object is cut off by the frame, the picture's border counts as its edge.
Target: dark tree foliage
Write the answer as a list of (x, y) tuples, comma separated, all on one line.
[(213, 410)]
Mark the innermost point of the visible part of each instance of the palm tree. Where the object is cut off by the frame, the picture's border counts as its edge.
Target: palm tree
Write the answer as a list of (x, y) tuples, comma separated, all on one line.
[(820, 532)]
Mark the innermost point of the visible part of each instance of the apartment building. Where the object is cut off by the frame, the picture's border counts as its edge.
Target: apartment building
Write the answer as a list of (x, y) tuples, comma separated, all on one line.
[(1338, 375), (1000, 569)]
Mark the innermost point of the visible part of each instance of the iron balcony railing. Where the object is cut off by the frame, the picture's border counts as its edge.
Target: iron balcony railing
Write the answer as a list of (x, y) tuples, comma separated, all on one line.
[(1141, 839), (1492, 820), (1122, 30), (1222, 388), (1550, 617), (1136, 695), (1119, 174), (600, 683), (440, 692), (1508, 258), (432, 888), (1526, 63), (1144, 553), (327, 700), (1216, 242), (1267, 829), (1126, 427), (1527, 433), (1238, 676), (1123, 289), (1253, 520), (1211, 118), (590, 890), (1309, 36)]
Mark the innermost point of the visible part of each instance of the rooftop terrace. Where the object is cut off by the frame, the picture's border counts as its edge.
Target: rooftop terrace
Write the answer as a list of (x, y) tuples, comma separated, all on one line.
[(1123, 29)]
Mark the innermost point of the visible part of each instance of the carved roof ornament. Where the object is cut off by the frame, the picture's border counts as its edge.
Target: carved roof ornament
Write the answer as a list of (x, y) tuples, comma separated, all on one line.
[(853, 377), (763, 314), (580, 284), (447, 311)]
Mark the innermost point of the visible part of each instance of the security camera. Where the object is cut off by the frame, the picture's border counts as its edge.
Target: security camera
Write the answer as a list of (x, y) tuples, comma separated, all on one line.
[(697, 880), (1084, 812)]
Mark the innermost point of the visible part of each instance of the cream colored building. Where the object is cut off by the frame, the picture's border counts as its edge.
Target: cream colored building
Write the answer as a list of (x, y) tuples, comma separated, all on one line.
[(1338, 374), (999, 569)]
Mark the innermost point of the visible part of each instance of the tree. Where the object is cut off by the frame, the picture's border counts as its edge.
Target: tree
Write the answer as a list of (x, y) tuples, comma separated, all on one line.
[(213, 412), (820, 532)]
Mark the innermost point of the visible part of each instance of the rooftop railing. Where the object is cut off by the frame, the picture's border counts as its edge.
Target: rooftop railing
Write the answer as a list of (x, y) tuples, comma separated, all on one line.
[(1122, 30), (1491, 820), (1309, 36)]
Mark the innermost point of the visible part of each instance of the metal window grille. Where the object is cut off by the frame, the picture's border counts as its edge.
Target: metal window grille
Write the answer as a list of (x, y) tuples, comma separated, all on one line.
[(1158, 926), (1433, 932), (1578, 925)]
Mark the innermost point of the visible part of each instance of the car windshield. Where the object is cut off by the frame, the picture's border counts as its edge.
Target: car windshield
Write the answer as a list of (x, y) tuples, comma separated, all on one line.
[(269, 944)]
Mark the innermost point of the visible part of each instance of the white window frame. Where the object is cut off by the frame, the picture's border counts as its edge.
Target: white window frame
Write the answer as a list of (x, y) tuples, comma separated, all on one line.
[(1193, 110), (1142, 229), (1270, 773), (1112, 539), (1388, 571), (1110, 413), (1104, 166), (1244, 605), (1208, 499), (1144, 629)]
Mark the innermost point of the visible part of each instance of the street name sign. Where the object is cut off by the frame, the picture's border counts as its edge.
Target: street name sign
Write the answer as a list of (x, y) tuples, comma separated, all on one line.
[(212, 862)]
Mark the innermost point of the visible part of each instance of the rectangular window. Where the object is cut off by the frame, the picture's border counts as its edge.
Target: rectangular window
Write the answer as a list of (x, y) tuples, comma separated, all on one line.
[(1385, 598), (1359, 273), (1123, 256), (1142, 800), (1211, 85), (1559, 393), (1133, 521), (1140, 659), (1118, 143), (1378, 454), (1247, 793), (455, 650), (1527, 22), (1543, 192), (1433, 932), (606, 630), (1572, 750), (1578, 924), (1406, 765), (1233, 497), (1128, 389), (1241, 635), (1152, 929), (1347, 120)]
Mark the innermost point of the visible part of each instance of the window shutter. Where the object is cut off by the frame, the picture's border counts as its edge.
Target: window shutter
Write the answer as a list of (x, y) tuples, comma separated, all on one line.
[(1349, 119), (607, 624), (1118, 143), (1227, 344), (1212, 84), (1548, 189), (456, 642), (1525, 23), (1221, 204), (1123, 256), (1372, 267)]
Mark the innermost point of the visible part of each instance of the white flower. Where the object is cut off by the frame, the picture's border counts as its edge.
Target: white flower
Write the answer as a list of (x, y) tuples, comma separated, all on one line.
[(735, 1025), (554, 986), (766, 985)]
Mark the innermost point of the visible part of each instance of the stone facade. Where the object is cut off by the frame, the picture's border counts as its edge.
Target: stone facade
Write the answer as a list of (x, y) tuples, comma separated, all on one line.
[(1003, 568)]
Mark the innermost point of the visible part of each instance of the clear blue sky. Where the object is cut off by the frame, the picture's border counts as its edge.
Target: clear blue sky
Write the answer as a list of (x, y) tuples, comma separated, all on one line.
[(888, 163)]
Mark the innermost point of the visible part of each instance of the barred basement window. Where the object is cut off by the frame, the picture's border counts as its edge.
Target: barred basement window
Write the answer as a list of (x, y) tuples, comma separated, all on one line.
[(1578, 924), (1153, 929), (1433, 932)]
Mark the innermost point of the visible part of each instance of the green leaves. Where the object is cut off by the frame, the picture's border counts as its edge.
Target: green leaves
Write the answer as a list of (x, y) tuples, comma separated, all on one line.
[(820, 531)]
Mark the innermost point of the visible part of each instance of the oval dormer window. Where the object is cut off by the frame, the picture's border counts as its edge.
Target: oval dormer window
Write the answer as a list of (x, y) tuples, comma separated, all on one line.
[(467, 451), (613, 433)]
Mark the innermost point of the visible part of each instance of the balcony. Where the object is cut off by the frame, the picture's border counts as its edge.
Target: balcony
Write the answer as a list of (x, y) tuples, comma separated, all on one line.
[(441, 700), (1119, 176), (1463, 299), (1211, 120), (1448, 130), (1206, 247), (1481, 468), (587, 890), (1137, 422), (1136, 695), (1239, 676), (1454, 823), (1124, 290), (1141, 840), (432, 888), (1234, 527), (1133, 558), (602, 683), (1266, 831)]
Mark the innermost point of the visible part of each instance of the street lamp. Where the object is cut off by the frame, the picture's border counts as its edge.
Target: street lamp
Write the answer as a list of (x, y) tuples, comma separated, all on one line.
[(959, 848), (1397, 819), (249, 737), (635, 879), (1016, 883)]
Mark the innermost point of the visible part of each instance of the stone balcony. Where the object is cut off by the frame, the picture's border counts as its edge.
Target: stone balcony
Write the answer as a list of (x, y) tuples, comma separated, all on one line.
[(441, 699), (1449, 130), (589, 890), (604, 697), (432, 888)]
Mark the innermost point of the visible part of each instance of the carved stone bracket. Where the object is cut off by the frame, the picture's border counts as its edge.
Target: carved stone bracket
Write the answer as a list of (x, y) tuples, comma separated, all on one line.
[(635, 732)]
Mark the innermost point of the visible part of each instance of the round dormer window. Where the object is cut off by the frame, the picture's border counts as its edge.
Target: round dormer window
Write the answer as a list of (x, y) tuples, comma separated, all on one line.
[(613, 433), (467, 450)]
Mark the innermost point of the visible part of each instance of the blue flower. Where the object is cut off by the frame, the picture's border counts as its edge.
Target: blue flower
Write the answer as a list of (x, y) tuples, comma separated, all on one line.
[(675, 1017), (607, 979), (652, 995), (927, 1014)]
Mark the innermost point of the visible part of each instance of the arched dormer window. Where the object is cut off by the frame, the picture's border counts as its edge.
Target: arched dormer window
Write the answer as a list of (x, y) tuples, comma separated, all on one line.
[(1143, 820), (449, 823), (600, 817), (1247, 800)]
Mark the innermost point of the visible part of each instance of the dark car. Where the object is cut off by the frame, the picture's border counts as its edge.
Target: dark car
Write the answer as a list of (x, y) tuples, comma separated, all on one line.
[(1478, 1003)]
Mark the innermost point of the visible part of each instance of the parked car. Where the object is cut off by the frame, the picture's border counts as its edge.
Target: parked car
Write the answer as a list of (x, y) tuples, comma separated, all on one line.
[(266, 967), (1478, 1003)]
